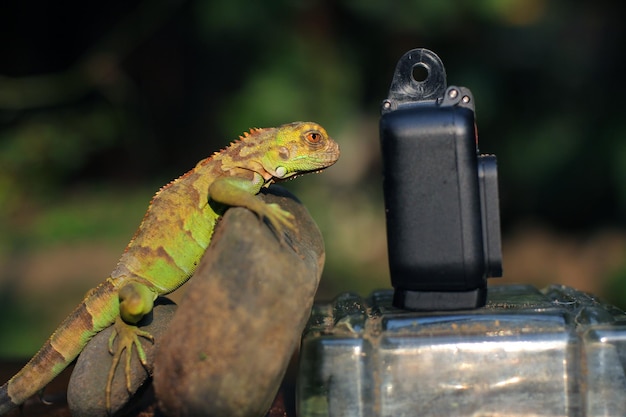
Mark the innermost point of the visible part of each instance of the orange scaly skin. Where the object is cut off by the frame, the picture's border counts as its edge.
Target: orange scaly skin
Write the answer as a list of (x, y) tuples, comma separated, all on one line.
[(171, 240)]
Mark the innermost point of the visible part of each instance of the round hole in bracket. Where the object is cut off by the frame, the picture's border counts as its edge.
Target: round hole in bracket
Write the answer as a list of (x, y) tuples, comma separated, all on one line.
[(419, 72)]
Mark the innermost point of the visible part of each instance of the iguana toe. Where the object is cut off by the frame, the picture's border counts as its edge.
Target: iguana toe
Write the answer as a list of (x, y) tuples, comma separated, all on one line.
[(126, 335), (280, 220)]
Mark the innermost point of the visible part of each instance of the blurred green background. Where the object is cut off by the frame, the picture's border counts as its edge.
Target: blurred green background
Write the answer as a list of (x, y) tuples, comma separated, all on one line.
[(102, 103)]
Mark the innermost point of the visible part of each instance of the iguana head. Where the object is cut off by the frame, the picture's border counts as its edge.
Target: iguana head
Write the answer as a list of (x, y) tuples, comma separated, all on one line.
[(297, 148)]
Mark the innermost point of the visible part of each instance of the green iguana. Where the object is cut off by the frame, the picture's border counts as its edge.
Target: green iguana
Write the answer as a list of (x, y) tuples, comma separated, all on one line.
[(170, 242)]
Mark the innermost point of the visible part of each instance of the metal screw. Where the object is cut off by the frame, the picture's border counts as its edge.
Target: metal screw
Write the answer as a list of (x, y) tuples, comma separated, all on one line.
[(453, 93), (465, 99)]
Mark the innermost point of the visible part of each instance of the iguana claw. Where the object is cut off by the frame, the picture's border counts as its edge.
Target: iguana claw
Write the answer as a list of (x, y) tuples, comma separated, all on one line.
[(280, 220), (127, 336)]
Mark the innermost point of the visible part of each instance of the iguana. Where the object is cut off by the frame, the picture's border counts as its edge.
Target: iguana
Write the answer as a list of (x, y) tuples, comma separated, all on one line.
[(169, 243)]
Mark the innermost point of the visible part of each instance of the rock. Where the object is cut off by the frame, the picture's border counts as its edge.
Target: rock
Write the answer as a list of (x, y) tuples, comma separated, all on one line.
[(86, 389), (227, 348)]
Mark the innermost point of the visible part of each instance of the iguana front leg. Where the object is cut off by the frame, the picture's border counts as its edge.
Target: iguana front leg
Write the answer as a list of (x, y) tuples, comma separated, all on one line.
[(236, 191), (136, 300)]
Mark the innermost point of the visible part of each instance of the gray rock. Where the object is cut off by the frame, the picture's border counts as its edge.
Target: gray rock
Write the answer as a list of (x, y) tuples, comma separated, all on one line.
[(227, 348), (86, 389)]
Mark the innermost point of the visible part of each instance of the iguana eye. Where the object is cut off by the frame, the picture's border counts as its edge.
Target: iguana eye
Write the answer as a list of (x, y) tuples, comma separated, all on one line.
[(313, 136)]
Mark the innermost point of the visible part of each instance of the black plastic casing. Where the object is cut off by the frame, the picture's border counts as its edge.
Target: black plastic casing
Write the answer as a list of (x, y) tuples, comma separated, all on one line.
[(441, 196)]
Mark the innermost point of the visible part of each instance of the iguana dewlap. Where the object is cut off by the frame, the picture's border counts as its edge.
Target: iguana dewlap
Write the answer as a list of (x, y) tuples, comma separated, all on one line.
[(171, 239)]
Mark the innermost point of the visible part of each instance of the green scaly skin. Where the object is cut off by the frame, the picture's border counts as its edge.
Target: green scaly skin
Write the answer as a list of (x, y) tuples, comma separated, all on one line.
[(170, 242)]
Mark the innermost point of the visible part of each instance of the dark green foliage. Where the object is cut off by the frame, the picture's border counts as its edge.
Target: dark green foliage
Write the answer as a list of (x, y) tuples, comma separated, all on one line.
[(126, 94)]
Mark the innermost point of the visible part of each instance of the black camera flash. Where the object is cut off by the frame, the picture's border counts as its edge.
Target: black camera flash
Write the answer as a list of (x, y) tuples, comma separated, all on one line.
[(441, 195)]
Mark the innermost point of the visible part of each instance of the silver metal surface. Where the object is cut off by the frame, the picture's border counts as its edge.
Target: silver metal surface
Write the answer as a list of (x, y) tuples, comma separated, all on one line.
[(554, 352)]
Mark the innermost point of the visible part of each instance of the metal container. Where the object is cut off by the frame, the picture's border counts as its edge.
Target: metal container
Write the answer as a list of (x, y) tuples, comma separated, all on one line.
[(528, 352)]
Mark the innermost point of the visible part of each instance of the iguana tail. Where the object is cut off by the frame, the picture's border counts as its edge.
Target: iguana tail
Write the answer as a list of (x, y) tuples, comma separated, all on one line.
[(97, 311)]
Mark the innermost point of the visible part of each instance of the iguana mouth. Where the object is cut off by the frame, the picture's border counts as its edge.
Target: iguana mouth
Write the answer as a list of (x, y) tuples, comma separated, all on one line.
[(296, 175), (325, 160)]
